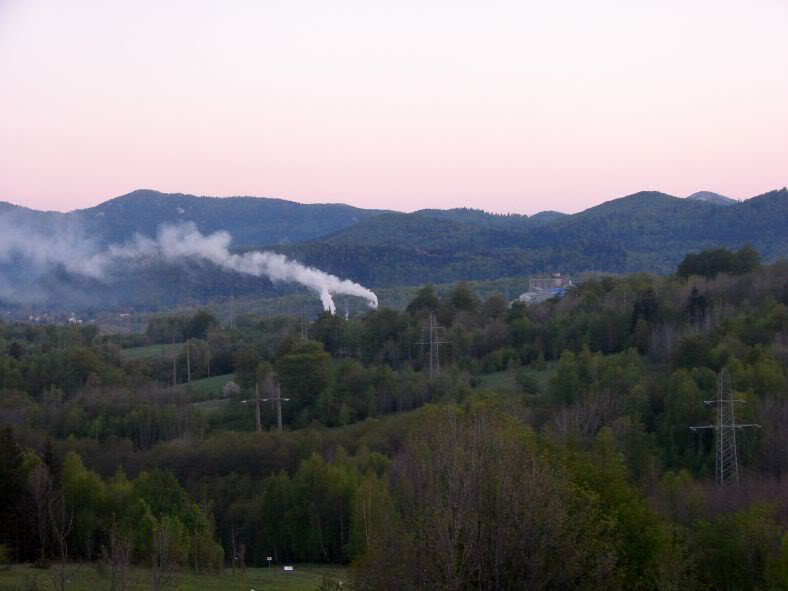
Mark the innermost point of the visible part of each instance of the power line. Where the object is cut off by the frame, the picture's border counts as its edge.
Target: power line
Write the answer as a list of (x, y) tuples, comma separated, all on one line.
[(725, 452), (304, 324), (433, 340), (277, 400)]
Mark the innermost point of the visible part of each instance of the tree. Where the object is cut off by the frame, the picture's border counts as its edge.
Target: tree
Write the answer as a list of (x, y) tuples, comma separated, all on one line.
[(710, 263), (163, 495), (12, 489), (276, 504), (62, 520), (246, 362), (495, 306), (482, 510), (746, 260), (40, 487), (199, 325), (304, 372), (426, 299), (329, 329), (85, 495), (116, 555), (320, 516), (373, 511), (168, 550), (777, 568), (464, 298), (738, 550)]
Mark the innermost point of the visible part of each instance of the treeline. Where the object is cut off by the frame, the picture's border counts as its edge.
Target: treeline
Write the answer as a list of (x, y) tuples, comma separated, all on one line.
[(55, 509), (711, 263)]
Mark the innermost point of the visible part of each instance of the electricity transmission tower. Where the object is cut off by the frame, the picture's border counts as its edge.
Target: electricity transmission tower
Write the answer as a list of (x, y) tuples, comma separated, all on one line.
[(725, 453), (304, 324), (277, 400), (431, 337)]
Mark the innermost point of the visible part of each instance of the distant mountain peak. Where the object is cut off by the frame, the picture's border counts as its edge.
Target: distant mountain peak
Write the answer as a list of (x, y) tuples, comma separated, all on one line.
[(546, 216), (711, 197)]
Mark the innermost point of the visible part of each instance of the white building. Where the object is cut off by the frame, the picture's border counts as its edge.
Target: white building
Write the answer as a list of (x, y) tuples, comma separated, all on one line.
[(542, 289)]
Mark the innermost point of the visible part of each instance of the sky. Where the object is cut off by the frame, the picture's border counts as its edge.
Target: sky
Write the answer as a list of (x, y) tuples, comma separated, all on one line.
[(509, 106)]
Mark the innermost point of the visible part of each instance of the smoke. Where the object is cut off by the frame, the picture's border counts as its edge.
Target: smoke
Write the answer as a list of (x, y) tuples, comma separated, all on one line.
[(185, 241), (74, 252), (43, 243)]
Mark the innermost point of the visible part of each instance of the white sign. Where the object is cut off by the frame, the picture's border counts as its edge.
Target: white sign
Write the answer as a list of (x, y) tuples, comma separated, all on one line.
[(270, 559), (288, 568)]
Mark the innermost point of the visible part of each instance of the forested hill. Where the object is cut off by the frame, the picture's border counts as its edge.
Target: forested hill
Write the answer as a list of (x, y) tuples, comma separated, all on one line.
[(647, 231), (251, 220), (483, 218)]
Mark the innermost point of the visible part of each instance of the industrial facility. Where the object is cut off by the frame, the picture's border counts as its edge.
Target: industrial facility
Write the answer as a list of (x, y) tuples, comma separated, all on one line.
[(541, 289)]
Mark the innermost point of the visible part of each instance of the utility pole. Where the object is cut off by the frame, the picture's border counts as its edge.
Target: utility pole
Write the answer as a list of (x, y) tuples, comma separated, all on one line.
[(232, 309), (188, 363), (257, 407), (277, 400), (174, 357), (433, 340), (304, 324), (725, 453)]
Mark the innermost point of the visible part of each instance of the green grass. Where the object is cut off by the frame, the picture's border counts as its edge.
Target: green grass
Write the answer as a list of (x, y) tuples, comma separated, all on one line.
[(499, 381), (136, 353), (212, 386), (306, 577), (506, 381)]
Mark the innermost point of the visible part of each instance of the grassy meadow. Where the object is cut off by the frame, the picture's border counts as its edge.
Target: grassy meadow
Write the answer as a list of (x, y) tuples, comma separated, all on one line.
[(137, 353), (307, 577)]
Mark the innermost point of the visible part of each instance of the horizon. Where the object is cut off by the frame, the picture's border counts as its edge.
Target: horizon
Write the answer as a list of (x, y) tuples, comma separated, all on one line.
[(511, 107), (393, 210)]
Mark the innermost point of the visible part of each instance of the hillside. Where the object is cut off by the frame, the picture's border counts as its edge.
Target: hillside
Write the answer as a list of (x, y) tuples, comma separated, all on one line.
[(647, 231), (711, 197), (476, 217), (251, 220)]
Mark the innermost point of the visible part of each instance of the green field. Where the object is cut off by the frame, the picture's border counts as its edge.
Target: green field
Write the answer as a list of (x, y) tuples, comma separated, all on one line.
[(305, 577), (212, 386), (506, 381), (135, 353)]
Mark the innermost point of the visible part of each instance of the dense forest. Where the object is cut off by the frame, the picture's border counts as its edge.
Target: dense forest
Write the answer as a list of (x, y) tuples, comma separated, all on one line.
[(551, 449), (647, 231)]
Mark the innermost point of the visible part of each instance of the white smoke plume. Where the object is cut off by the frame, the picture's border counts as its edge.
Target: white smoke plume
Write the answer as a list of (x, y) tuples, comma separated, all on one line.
[(78, 255), (185, 241)]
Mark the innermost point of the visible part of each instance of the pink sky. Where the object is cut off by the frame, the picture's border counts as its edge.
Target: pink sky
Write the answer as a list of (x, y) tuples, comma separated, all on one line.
[(518, 105)]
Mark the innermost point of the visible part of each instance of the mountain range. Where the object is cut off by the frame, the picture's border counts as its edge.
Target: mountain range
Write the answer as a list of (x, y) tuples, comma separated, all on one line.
[(646, 231)]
